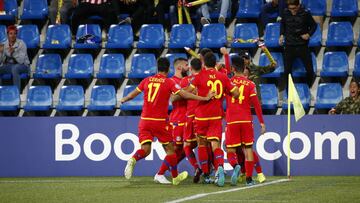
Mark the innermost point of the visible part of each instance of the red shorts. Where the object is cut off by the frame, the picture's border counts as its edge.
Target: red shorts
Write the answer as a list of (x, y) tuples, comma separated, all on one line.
[(211, 129), (148, 129), (239, 133), (189, 134), (177, 132)]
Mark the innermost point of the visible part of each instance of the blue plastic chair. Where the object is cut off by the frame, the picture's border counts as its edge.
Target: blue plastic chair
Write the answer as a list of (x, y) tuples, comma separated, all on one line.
[(133, 105), (245, 31), (112, 66), (298, 68), (48, 66), (30, 35), (152, 36), (278, 57), (344, 8), (9, 98), (88, 29), (182, 35), (316, 7), (304, 94), (269, 96), (213, 36), (120, 37), (315, 39), (142, 66), (80, 66), (34, 10), (340, 34), (71, 98), (103, 98), (271, 35), (3, 33), (249, 8), (356, 71), (11, 9), (328, 95), (39, 98), (172, 58), (335, 64), (58, 37)]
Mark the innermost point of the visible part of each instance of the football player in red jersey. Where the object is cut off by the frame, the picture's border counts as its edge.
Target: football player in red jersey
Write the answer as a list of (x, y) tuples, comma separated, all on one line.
[(239, 128), (153, 123)]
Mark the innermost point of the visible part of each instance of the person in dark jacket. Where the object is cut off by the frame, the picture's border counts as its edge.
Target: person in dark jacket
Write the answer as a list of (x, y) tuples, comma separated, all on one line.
[(296, 28)]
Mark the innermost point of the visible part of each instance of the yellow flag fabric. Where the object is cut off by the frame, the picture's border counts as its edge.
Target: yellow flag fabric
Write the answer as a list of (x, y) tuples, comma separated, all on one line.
[(294, 98)]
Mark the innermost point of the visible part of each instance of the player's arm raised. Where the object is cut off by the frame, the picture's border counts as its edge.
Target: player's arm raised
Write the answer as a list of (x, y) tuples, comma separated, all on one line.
[(130, 96)]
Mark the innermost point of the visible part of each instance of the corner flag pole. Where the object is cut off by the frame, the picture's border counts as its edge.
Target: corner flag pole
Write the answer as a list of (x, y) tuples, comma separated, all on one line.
[(288, 127)]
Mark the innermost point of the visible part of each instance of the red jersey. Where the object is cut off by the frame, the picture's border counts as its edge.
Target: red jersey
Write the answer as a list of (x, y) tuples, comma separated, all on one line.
[(207, 80), (157, 90), (191, 104), (179, 107), (239, 110)]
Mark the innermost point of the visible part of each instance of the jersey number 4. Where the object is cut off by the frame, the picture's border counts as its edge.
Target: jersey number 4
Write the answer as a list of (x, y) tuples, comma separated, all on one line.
[(153, 90), (217, 87)]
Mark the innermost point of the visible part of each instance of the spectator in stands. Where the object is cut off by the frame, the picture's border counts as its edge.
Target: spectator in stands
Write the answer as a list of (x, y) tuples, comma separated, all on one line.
[(271, 12), (297, 26), (351, 104), (13, 56), (161, 7), (207, 7), (60, 15), (86, 8)]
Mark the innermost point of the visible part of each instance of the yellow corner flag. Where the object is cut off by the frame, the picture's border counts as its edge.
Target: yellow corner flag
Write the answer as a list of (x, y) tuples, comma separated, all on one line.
[(293, 97)]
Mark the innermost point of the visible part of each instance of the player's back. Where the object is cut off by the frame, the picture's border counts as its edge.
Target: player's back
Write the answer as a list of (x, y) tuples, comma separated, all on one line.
[(179, 107), (190, 104)]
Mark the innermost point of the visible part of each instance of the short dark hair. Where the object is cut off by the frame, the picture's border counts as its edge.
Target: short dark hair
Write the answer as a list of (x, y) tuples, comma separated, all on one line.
[(210, 60), (238, 63), (355, 81), (195, 64), (163, 64), (178, 60), (293, 2), (204, 51)]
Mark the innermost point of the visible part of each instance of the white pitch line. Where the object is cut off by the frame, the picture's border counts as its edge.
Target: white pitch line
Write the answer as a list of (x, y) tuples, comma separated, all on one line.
[(60, 181), (197, 196)]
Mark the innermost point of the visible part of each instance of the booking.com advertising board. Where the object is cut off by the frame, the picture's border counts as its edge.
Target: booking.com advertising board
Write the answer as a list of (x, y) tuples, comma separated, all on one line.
[(100, 146)]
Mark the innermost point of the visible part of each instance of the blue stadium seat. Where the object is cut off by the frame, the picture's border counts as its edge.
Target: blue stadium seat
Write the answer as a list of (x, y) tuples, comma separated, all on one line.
[(271, 35), (316, 7), (48, 66), (245, 31), (9, 98), (182, 35), (304, 94), (88, 29), (278, 57), (3, 33), (30, 35), (328, 95), (335, 64), (172, 58), (133, 105), (269, 96), (315, 39), (71, 98), (213, 36), (152, 36), (103, 98), (298, 68), (39, 98), (356, 71), (340, 34), (249, 8), (11, 9), (112, 66), (80, 66), (35, 10), (344, 8), (58, 37), (142, 66), (120, 37)]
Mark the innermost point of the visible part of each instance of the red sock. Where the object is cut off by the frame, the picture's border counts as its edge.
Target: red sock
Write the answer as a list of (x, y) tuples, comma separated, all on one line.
[(210, 157), (249, 165), (203, 159), (191, 157), (139, 154), (163, 168), (218, 157), (172, 160), (232, 159), (241, 160), (180, 154), (257, 163)]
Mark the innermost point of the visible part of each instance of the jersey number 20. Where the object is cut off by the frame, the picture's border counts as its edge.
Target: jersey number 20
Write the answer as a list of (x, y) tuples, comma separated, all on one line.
[(215, 86)]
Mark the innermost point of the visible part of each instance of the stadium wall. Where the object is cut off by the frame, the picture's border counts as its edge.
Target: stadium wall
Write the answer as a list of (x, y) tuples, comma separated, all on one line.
[(100, 146)]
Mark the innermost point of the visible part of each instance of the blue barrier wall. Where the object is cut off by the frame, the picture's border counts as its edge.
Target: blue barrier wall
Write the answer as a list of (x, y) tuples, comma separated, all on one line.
[(100, 146)]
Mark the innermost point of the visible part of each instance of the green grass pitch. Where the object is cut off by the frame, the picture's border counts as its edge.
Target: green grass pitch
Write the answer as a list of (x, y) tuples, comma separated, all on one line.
[(143, 189)]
